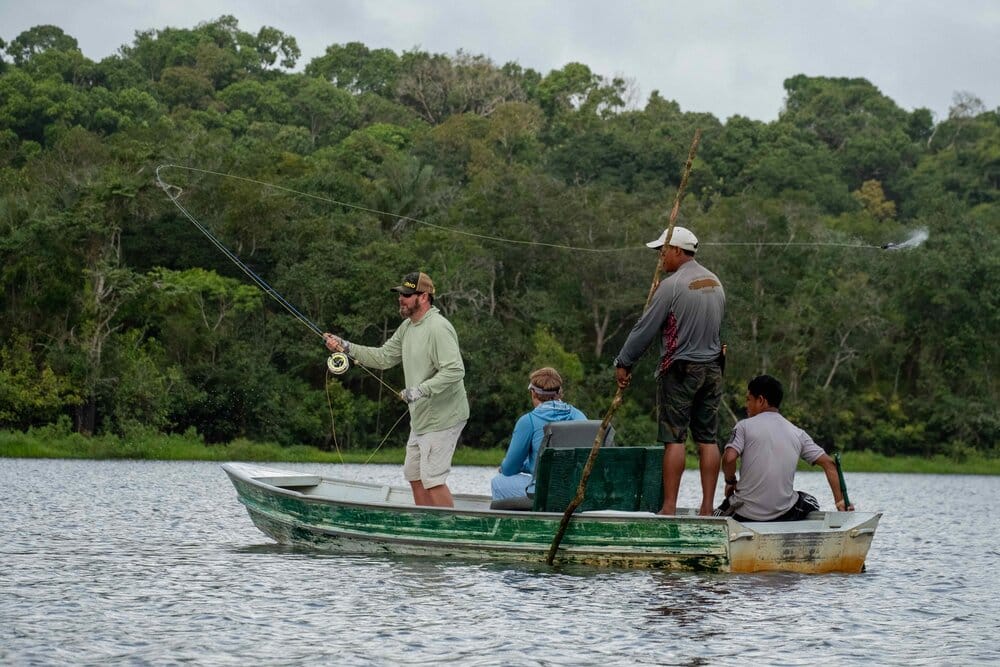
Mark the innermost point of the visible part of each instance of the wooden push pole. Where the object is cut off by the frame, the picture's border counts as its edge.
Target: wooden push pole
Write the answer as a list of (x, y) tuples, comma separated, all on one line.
[(616, 402)]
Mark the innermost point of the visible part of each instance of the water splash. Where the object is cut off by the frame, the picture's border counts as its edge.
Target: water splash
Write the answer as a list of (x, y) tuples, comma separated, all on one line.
[(916, 238)]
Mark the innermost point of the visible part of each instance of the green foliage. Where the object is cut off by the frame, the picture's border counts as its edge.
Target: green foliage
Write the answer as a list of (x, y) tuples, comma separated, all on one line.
[(548, 352), (185, 85), (327, 112), (258, 100), (145, 389), (119, 318), (29, 394), (576, 88), (358, 69), (38, 40)]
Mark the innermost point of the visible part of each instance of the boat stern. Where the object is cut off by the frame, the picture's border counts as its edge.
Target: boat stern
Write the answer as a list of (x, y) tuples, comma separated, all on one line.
[(826, 542)]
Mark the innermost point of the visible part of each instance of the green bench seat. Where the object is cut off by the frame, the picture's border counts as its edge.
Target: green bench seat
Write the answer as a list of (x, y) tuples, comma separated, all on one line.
[(627, 479)]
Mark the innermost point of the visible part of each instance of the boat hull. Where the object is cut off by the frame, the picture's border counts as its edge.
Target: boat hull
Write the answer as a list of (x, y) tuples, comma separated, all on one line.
[(357, 518)]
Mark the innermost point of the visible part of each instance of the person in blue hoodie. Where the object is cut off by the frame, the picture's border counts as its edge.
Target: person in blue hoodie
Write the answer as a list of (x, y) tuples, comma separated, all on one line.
[(518, 466)]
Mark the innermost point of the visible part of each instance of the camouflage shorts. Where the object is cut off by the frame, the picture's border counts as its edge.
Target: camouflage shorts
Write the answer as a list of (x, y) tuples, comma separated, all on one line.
[(688, 395)]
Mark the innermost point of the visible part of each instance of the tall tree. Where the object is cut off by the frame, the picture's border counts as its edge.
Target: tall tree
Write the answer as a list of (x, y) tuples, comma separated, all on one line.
[(356, 68), (38, 40)]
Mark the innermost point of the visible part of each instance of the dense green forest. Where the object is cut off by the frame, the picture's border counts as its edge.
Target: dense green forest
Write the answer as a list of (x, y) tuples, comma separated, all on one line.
[(526, 196)]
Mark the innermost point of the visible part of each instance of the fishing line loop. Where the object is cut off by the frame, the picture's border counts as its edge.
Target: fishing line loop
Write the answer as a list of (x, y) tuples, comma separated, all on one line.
[(170, 191)]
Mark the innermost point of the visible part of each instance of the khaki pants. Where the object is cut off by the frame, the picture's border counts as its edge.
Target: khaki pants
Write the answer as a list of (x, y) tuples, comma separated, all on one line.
[(428, 455)]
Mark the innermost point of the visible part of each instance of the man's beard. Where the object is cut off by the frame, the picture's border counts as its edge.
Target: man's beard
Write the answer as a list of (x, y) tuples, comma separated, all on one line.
[(404, 310)]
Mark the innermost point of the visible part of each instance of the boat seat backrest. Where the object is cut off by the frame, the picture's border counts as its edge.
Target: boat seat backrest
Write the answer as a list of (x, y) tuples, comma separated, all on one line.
[(580, 433)]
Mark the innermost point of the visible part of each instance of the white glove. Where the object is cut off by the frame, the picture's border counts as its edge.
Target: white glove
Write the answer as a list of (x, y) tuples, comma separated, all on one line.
[(336, 343), (411, 394)]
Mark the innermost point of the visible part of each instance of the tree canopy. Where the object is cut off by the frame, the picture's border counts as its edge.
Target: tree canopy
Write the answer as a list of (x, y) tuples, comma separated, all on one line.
[(527, 197)]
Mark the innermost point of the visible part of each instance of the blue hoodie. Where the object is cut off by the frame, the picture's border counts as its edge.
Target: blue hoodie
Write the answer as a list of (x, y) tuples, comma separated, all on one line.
[(528, 433)]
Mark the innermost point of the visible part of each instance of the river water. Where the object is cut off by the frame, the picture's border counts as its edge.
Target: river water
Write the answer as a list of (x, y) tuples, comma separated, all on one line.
[(157, 563)]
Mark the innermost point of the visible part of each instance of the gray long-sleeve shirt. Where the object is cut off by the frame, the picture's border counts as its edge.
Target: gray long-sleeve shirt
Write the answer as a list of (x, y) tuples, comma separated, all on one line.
[(686, 312)]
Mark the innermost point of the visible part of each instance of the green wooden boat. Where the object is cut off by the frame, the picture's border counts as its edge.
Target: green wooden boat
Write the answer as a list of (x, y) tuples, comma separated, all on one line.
[(355, 517)]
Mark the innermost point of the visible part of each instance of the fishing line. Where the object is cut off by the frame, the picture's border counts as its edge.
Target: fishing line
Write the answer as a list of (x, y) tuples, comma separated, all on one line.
[(798, 243), (499, 239), (337, 363), (173, 193), (916, 238), (404, 218), (388, 433), (333, 421)]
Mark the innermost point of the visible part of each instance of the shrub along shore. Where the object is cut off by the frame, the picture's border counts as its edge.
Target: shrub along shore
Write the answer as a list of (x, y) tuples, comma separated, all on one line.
[(47, 443)]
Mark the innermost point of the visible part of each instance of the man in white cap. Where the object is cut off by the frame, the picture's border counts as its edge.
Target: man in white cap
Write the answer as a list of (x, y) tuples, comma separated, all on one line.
[(685, 313)]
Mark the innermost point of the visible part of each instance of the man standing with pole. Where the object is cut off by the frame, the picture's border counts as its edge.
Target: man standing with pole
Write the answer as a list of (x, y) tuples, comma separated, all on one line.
[(685, 313), (616, 402)]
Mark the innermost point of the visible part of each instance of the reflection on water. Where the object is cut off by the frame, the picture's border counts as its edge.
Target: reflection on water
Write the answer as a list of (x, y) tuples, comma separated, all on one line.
[(691, 598), (144, 562)]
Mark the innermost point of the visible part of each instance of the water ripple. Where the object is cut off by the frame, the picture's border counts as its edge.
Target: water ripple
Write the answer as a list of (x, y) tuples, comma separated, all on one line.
[(157, 563)]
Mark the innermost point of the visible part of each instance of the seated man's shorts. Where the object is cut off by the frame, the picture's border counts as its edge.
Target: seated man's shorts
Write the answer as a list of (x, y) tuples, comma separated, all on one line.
[(503, 486)]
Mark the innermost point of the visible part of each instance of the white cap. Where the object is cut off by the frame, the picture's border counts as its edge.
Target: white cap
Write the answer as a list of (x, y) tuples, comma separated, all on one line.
[(681, 238)]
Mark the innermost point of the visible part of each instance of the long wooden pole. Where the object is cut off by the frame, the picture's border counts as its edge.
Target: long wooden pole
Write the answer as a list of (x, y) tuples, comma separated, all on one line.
[(616, 402), (674, 211)]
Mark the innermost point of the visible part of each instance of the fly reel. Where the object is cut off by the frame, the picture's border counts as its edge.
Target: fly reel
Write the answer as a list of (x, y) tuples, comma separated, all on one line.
[(338, 363)]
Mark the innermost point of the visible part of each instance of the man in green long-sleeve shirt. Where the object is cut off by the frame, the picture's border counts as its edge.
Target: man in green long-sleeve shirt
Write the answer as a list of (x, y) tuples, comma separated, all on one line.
[(427, 346)]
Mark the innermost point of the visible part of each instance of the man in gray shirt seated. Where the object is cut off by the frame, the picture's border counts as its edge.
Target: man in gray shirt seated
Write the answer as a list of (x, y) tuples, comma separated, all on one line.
[(770, 447)]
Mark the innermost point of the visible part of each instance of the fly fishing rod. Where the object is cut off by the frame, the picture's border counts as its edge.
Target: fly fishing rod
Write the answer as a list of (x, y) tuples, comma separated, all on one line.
[(338, 362)]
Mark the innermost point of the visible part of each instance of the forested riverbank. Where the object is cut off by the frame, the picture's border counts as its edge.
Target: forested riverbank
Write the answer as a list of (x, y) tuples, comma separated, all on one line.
[(51, 442), (527, 196)]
